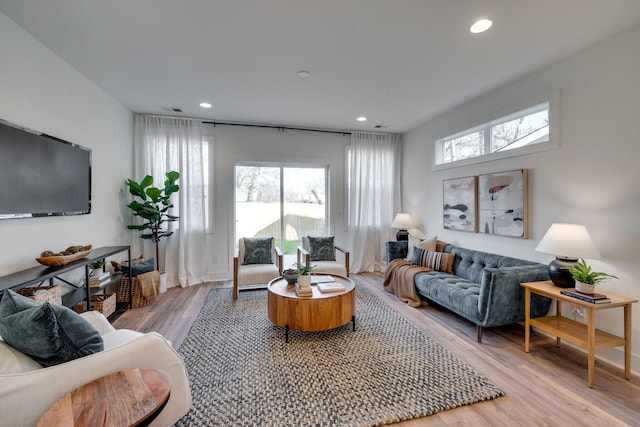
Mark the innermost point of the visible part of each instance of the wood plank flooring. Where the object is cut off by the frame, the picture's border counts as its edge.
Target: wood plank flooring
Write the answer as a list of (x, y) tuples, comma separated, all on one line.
[(547, 386)]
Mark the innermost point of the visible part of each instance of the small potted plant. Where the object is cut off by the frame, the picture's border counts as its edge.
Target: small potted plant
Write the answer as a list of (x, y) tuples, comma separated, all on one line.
[(97, 267), (291, 275), (587, 279)]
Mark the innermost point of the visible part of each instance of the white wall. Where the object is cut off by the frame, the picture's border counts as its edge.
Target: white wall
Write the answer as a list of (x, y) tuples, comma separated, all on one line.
[(592, 179), (40, 91), (241, 144)]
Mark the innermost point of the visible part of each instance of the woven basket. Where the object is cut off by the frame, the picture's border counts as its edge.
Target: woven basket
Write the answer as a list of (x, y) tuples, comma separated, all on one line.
[(105, 304), (50, 294), (122, 291)]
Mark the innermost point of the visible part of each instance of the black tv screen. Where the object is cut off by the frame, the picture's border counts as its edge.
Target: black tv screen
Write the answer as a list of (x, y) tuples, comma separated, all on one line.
[(41, 175)]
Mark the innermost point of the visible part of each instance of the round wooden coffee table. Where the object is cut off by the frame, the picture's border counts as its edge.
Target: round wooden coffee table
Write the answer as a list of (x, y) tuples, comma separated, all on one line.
[(319, 312), (127, 398)]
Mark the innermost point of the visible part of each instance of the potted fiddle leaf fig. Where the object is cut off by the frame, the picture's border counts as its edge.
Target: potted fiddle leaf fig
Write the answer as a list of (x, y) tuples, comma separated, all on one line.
[(151, 205), (587, 279)]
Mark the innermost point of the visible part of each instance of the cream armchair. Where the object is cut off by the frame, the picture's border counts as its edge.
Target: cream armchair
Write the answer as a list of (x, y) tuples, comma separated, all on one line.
[(254, 274), (27, 389), (339, 267)]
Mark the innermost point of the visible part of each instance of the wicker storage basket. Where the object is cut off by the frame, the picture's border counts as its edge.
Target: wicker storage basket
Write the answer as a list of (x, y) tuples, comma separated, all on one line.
[(50, 294), (122, 291), (104, 303)]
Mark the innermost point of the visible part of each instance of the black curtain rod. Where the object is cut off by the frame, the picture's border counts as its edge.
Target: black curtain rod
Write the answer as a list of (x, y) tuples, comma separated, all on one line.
[(276, 127)]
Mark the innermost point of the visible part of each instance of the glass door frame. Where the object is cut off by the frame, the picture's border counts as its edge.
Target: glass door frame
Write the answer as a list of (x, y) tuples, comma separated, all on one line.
[(282, 166)]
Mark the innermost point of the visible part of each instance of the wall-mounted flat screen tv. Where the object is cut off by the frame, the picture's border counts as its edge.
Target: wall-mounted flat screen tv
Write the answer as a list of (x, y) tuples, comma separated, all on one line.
[(41, 175)]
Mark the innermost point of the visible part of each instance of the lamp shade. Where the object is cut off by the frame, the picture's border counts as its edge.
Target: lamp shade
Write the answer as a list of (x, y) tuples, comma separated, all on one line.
[(568, 241), (402, 220)]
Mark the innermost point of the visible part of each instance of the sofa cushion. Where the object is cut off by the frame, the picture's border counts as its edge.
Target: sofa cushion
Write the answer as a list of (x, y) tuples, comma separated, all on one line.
[(49, 333), (470, 264), (452, 292), (258, 250), (321, 249), (14, 362), (439, 261)]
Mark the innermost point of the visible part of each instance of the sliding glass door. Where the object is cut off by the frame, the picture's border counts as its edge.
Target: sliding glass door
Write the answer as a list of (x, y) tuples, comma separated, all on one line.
[(283, 201)]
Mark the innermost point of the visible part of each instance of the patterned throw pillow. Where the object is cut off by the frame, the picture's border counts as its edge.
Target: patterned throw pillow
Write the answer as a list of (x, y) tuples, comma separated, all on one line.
[(439, 261), (257, 250), (416, 242), (321, 249)]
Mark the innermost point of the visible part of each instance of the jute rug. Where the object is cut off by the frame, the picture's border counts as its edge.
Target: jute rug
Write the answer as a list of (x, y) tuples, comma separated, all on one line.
[(242, 371)]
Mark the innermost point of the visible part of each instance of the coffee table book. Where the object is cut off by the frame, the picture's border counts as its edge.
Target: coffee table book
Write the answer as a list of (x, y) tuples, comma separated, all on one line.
[(330, 287), (592, 298), (303, 291)]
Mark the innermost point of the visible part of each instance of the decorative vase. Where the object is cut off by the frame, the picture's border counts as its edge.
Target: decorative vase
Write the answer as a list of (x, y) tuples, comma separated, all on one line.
[(96, 272), (304, 280), (290, 278), (585, 288)]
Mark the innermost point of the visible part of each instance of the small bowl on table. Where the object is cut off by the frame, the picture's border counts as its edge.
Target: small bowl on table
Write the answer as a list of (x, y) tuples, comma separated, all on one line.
[(290, 278)]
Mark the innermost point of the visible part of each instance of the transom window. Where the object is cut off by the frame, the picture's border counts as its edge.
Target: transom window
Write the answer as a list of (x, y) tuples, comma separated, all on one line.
[(517, 130)]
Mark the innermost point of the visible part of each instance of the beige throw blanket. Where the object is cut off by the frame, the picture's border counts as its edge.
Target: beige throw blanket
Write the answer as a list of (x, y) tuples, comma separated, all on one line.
[(149, 284), (398, 280)]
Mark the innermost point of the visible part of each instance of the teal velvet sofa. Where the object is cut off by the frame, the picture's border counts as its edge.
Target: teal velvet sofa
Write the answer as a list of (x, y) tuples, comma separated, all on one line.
[(484, 289)]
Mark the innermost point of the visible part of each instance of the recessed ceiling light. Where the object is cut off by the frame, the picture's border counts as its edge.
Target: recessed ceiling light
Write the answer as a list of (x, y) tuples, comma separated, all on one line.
[(481, 26), (205, 105), (362, 119), (303, 74)]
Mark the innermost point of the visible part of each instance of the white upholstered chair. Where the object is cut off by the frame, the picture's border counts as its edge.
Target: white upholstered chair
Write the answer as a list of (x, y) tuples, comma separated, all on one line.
[(254, 274), (27, 389), (339, 267)]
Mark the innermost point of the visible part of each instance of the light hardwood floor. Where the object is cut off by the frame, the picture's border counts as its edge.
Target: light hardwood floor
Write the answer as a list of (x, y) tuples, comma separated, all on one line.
[(547, 386)]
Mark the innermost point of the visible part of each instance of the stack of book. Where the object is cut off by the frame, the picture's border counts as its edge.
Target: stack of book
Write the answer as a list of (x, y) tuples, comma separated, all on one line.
[(96, 281), (303, 290), (330, 287), (592, 298)]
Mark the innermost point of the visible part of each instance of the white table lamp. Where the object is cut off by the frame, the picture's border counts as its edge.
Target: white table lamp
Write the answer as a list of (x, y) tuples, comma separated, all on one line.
[(567, 242), (402, 221)]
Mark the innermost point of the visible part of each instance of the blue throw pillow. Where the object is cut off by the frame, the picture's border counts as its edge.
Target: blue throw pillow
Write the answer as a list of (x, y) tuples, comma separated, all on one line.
[(258, 250), (321, 249), (49, 333), (139, 268)]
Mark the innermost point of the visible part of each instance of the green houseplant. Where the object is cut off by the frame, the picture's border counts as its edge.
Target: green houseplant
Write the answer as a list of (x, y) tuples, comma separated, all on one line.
[(586, 279), (152, 205), (298, 269)]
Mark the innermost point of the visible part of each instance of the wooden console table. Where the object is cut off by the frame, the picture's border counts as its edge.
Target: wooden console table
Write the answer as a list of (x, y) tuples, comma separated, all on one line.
[(585, 336), (127, 398)]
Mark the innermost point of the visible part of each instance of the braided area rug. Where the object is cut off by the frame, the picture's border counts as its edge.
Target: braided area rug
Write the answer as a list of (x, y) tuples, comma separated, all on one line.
[(242, 372)]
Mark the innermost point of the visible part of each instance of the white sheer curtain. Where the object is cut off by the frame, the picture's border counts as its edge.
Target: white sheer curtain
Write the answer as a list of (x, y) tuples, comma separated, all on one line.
[(164, 144), (374, 197)]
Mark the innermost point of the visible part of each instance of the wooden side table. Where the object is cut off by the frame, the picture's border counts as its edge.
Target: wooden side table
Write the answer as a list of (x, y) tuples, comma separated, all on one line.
[(585, 336), (127, 398)]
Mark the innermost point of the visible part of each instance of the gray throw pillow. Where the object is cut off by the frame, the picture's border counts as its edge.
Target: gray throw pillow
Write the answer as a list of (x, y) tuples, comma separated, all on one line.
[(139, 268), (49, 333), (257, 250), (321, 249)]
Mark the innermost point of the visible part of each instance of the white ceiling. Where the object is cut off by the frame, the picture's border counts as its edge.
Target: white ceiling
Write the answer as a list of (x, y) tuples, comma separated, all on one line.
[(398, 62)]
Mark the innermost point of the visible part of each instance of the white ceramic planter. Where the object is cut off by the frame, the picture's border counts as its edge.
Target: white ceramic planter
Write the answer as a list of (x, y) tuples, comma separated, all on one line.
[(585, 288), (304, 280)]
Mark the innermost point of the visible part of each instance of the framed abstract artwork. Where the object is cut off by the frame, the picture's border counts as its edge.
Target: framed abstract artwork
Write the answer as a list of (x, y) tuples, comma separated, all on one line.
[(460, 203), (502, 203)]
